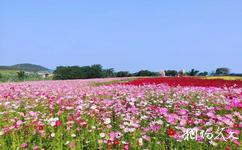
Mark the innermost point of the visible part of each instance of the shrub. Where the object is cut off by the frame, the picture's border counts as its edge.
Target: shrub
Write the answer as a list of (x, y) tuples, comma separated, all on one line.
[(123, 74), (222, 71), (146, 73)]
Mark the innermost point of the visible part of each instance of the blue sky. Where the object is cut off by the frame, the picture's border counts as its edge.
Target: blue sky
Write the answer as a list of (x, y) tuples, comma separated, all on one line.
[(125, 35)]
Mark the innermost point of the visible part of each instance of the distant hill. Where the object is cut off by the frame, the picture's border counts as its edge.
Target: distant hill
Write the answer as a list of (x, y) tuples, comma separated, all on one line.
[(26, 67), (6, 68)]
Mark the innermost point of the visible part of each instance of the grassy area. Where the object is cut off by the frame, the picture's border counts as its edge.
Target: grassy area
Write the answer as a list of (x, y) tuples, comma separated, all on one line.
[(12, 76), (8, 75), (225, 77), (8, 71), (112, 82)]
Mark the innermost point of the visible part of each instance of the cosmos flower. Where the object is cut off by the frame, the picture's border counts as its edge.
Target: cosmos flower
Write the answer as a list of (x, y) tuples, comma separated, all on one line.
[(171, 132), (107, 121), (102, 135)]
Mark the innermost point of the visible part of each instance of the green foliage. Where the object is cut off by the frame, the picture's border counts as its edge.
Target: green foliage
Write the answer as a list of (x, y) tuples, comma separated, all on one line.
[(193, 72), (171, 72), (146, 73), (108, 73), (123, 74), (85, 72), (95, 71), (222, 71), (21, 75), (1, 76), (205, 73), (14, 76)]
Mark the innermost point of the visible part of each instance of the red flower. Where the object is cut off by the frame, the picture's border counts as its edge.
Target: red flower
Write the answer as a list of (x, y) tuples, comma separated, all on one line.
[(190, 122), (109, 144), (40, 127), (58, 123), (70, 118), (227, 148), (186, 81), (236, 125), (116, 142), (171, 132)]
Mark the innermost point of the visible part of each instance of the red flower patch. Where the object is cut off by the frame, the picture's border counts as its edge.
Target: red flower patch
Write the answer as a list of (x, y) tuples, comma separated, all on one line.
[(187, 81)]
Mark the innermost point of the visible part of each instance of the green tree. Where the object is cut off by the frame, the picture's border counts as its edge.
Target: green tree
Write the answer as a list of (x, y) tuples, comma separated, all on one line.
[(205, 73), (123, 74), (171, 72), (108, 73), (193, 72), (21, 75), (146, 73), (222, 71), (95, 71), (76, 72)]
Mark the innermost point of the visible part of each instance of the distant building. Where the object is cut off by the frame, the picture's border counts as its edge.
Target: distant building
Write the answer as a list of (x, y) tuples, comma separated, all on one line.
[(162, 73), (44, 74), (182, 72)]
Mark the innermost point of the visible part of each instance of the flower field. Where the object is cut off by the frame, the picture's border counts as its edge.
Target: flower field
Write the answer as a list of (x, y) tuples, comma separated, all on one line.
[(154, 115), (188, 81)]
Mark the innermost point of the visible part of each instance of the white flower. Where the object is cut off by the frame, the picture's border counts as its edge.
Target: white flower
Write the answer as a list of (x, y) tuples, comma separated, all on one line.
[(1, 133), (102, 135), (131, 129), (67, 142), (107, 121), (93, 107), (213, 143), (140, 141), (52, 123), (160, 122), (73, 135), (100, 141), (52, 135), (126, 130)]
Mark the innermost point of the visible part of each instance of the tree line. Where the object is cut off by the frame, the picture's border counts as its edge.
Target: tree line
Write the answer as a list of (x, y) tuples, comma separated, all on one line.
[(97, 71)]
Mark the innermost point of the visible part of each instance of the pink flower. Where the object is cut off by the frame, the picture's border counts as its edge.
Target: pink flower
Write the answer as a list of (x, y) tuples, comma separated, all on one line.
[(19, 122), (235, 102), (182, 112), (155, 128), (236, 142), (108, 102), (32, 113), (211, 114), (172, 118), (146, 129), (36, 148), (183, 122), (126, 146), (24, 145), (163, 111), (237, 132), (114, 135), (146, 137)]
